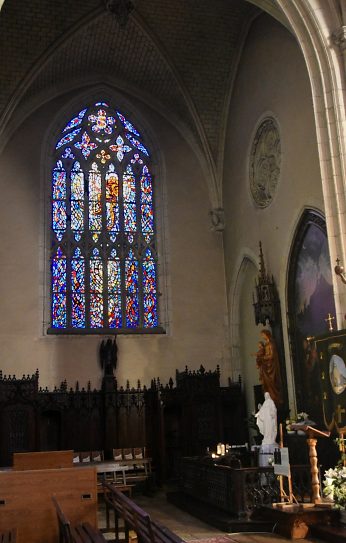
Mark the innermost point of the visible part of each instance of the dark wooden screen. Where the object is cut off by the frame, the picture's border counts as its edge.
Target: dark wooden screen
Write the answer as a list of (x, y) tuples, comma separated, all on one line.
[(170, 421)]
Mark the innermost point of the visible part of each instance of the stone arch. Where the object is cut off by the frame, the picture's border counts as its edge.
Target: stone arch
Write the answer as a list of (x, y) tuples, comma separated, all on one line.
[(243, 329), (316, 27)]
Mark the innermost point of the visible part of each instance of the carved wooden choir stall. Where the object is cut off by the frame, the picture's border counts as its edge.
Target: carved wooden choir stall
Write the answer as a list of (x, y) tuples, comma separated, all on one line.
[(170, 421)]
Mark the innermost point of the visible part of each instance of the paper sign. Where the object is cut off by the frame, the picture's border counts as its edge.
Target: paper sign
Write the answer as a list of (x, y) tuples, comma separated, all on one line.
[(281, 462)]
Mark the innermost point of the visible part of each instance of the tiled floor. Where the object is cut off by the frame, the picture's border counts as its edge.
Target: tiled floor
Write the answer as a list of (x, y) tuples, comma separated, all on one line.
[(190, 528)]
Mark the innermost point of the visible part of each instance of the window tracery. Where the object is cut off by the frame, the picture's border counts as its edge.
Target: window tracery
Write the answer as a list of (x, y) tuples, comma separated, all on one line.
[(103, 239)]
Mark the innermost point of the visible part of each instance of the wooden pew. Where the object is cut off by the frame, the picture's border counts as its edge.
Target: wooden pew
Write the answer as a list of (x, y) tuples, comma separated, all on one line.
[(8, 537), (81, 533), (42, 460), (136, 519), (26, 501)]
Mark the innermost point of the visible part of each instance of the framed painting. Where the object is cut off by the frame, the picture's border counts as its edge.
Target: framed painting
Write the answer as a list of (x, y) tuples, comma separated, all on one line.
[(310, 300)]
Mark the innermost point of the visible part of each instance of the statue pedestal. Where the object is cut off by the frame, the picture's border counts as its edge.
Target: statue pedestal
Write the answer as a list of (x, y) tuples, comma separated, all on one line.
[(266, 452)]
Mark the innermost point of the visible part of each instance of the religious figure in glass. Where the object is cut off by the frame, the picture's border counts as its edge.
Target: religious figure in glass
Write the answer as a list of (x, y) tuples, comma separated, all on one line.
[(103, 235)]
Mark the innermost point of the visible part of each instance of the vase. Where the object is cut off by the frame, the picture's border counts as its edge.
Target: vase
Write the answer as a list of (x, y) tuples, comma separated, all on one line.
[(343, 516)]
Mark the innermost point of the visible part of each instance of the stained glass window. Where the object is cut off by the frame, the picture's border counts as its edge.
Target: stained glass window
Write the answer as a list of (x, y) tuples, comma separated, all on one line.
[(103, 235)]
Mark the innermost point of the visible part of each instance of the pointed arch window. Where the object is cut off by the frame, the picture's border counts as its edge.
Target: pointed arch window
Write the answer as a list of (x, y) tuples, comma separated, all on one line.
[(103, 248)]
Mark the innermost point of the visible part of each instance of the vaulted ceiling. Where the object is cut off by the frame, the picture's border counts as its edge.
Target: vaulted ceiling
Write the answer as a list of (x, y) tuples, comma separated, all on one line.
[(178, 55)]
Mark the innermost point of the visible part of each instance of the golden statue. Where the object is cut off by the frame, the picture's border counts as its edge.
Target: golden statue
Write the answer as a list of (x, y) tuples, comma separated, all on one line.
[(267, 361)]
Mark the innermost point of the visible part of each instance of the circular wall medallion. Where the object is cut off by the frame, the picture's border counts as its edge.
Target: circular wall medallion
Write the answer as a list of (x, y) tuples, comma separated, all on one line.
[(265, 160)]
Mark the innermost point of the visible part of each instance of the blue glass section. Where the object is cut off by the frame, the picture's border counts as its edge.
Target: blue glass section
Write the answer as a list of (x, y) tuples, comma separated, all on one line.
[(128, 125), (137, 144), (68, 138), (76, 121)]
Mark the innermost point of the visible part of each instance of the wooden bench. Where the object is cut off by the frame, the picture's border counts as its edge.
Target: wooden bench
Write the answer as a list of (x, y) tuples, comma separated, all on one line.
[(25, 498), (81, 533), (42, 460), (8, 537), (136, 519)]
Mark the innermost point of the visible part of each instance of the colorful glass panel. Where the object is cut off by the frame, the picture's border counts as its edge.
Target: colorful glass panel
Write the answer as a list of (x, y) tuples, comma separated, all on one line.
[(98, 204), (120, 148), (96, 310), (130, 218), (129, 196), (114, 282), (129, 185), (78, 290), (77, 198), (68, 153), (77, 216), (96, 289), (136, 159), (112, 199), (137, 144), (102, 122), (149, 289), (68, 138), (77, 182), (59, 317), (85, 145), (59, 216), (59, 310), (149, 273), (59, 182), (76, 121), (127, 125), (147, 218), (95, 206), (150, 311), (114, 293), (146, 186), (114, 311), (131, 284)]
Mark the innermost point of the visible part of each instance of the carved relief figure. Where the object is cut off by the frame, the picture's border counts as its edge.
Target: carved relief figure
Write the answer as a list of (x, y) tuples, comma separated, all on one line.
[(267, 362), (265, 163)]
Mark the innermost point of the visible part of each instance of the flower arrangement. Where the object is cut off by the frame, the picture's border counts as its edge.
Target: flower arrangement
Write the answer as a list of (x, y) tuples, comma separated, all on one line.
[(298, 419), (335, 486), (301, 417), (289, 423)]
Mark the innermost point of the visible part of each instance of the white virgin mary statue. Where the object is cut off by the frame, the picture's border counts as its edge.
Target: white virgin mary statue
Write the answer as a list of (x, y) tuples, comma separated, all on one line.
[(266, 420)]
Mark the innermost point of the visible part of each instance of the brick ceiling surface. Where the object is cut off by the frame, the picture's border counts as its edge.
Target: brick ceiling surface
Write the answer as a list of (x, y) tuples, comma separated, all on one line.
[(179, 53)]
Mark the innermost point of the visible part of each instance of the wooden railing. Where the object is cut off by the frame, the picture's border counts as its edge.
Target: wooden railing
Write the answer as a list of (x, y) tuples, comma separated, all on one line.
[(134, 518), (238, 491)]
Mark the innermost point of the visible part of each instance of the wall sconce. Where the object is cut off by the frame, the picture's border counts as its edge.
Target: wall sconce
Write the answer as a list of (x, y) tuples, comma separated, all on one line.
[(266, 302), (339, 270)]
